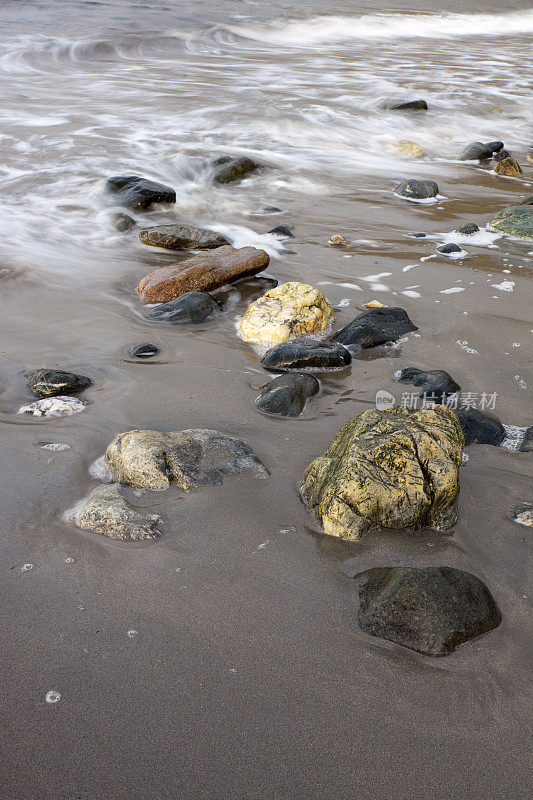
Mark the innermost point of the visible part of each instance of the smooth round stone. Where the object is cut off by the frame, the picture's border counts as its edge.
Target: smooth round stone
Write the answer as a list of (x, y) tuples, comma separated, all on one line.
[(190, 307), (495, 146), (228, 169), (139, 193), (477, 151), (410, 105), (480, 427), (307, 355), (144, 351), (413, 189), (122, 222), (435, 384), (52, 382), (451, 247), (287, 394), (375, 326)]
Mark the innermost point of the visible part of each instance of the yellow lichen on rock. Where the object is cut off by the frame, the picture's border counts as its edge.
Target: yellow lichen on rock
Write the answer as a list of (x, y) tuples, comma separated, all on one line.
[(373, 304), (508, 166), (338, 240), (405, 147), (290, 310)]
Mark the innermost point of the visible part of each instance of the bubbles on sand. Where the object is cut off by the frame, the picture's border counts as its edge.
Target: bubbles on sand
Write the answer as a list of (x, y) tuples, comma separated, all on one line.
[(52, 697), (26, 568), (132, 633), (99, 470)]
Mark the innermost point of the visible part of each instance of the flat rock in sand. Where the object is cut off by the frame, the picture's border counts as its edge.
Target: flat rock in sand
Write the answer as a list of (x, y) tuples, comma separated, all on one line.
[(108, 513), (202, 273)]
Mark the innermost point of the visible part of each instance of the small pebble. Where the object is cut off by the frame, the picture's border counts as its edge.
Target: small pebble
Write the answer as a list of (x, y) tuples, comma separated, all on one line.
[(144, 351)]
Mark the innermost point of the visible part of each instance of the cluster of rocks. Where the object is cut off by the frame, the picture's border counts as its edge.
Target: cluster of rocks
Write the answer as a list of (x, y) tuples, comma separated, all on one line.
[(504, 163), (53, 387)]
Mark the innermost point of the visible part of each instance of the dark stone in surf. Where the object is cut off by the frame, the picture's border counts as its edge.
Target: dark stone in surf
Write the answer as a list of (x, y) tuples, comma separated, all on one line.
[(480, 427), (123, 223), (528, 201), (431, 610), (139, 193), (283, 231), (468, 230), (286, 395), (272, 210), (436, 384), (182, 237), (376, 326), (478, 151), (417, 190), (189, 307), (527, 443), (448, 248), (229, 170), (52, 382), (144, 351), (306, 354), (419, 235), (495, 146), (410, 105)]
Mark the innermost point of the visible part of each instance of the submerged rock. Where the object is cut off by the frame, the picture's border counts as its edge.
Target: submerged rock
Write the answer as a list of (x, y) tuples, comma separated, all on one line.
[(144, 351), (395, 469), (436, 384), (139, 193), (495, 147), (283, 231), (286, 312), (404, 147), (515, 220), (507, 166), (417, 190), (376, 326), (478, 151), (190, 458), (123, 223), (108, 513), (409, 105), (190, 307), (202, 272), (480, 427), (468, 229), (450, 247), (287, 394), (228, 169), (182, 237), (306, 354), (338, 240), (54, 407), (52, 382), (431, 610)]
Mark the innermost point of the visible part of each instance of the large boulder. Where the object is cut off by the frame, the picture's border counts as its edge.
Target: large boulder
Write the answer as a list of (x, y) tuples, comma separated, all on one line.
[(182, 237), (287, 395), (376, 326), (516, 221), (139, 193), (190, 458), (417, 190), (52, 382), (189, 307), (108, 513), (432, 610), (395, 469), (288, 311), (229, 169), (202, 273), (306, 354)]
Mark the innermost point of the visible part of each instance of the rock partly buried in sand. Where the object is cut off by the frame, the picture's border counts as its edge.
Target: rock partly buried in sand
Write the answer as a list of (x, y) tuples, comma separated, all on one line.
[(123, 223), (228, 169), (306, 354), (108, 513), (54, 407), (479, 151), (338, 240), (190, 458), (480, 427), (290, 310), (436, 384), (468, 229), (507, 166), (409, 105), (202, 273), (139, 193), (417, 190), (528, 201), (431, 610), (524, 515), (190, 307), (527, 441), (395, 469), (516, 221), (282, 231), (287, 395), (448, 248), (372, 304), (52, 382), (405, 147), (376, 326), (181, 237), (144, 350)]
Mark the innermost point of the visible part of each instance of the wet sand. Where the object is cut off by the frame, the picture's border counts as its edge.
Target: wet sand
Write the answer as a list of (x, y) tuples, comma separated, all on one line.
[(248, 676)]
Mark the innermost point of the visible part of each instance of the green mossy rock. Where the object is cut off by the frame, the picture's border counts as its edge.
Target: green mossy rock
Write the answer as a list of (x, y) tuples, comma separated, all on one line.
[(395, 469), (515, 220)]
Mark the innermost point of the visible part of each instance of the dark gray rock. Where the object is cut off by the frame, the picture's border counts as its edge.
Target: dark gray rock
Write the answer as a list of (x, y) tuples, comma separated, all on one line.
[(283, 231), (468, 230), (451, 247), (306, 354), (528, 201), (144, 351), (410, 105), (228, 169), (52, 382), (123, 223), (139, 193), (436, 384), (527, 443), (189, 307), (376, 326), (495, 146), (182, 237), (480, 427), (417, 190), (431, 610), (478, 151), (286, 395), (419, 235), (502, 155), (272, 210)]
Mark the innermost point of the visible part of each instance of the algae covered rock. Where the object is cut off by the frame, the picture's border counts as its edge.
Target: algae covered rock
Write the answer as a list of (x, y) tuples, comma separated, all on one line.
[(431, 610), (515, 220), (286, 312), (507, 166), (229, 169), (396, 469), (190, 458), (108, 513)]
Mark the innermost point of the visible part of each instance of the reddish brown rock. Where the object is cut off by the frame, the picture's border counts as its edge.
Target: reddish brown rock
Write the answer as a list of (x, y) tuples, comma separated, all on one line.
[(202, 273)]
